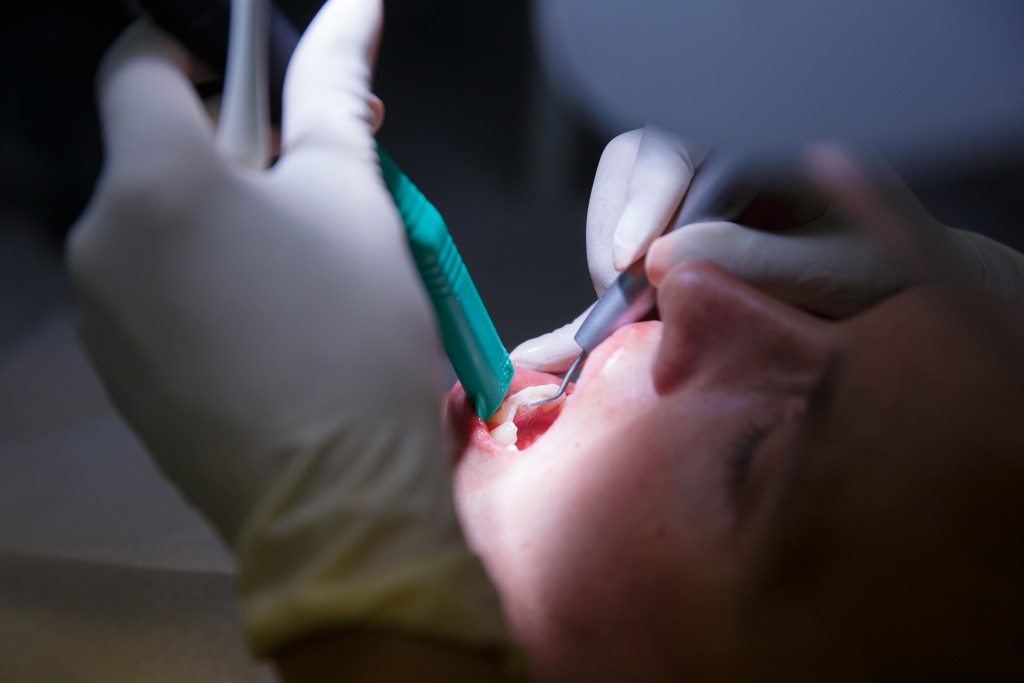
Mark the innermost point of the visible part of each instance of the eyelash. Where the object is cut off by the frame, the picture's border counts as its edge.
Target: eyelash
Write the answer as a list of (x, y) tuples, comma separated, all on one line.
[(740, 455)]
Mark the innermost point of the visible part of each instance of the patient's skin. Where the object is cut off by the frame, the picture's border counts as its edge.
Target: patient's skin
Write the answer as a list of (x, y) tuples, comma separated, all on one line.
[(877, 532)]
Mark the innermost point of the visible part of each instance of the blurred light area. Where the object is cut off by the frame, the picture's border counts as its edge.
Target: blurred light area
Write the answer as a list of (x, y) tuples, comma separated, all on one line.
[(922, 81)]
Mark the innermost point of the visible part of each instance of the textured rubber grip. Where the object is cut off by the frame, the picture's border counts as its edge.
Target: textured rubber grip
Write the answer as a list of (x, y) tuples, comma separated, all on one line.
[(473, 346)]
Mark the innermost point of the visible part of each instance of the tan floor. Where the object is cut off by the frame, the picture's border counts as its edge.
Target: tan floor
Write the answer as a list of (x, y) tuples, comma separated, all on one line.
[(106, 575), (63, 620)]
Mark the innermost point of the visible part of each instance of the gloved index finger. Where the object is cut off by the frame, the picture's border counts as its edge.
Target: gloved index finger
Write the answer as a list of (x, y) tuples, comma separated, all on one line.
[(886, 212), (149, 110), (327, 97)]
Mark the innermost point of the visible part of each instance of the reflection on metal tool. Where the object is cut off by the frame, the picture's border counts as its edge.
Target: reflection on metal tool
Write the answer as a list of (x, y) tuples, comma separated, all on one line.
[(722, 189)]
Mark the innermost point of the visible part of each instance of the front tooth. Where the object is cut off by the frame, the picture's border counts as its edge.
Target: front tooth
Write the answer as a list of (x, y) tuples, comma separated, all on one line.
[(510, 406), (505, 434)]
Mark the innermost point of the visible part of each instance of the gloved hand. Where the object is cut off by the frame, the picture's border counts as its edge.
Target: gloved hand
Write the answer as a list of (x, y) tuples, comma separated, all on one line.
[(267, 337), (815, 251), (829, 252), (640, 182)]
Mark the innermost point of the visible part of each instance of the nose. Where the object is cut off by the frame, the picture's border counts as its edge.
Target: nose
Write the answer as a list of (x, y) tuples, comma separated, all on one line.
[(718, 327)]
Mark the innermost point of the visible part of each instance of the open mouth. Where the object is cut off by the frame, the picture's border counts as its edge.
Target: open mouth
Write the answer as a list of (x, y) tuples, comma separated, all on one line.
[(518, 423), (515, 426)]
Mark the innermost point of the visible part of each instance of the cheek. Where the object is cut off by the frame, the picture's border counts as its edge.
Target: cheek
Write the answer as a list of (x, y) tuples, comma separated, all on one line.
[(609, 552), (646, 515)]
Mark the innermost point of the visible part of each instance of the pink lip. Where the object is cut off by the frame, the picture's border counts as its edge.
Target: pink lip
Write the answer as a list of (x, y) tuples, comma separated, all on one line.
[(469, 430), (617, 373)]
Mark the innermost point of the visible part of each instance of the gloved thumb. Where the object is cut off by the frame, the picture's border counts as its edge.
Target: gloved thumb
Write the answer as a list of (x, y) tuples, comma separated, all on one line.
[(328, 100), (658, 180), (551, 352)]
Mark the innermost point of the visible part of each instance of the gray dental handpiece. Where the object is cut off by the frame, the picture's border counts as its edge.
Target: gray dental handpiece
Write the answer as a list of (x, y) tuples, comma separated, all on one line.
[(721, 189)]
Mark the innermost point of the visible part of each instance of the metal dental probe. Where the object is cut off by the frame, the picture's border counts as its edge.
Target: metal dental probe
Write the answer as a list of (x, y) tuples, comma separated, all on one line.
[(477, 355), (565, 381), (721, 189)]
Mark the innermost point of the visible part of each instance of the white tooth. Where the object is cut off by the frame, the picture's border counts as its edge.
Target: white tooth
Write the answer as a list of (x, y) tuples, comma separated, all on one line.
[(531, 394), (505, 434), (506, 412), (551, 405), (503, 429)]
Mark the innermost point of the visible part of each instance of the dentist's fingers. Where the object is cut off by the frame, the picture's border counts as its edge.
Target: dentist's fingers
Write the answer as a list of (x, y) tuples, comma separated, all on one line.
[(243, 133), (823, 267), (639, 182), (327, 98), (551, 352), (658, 182), (918, 245), (887, 214), (150, 114)]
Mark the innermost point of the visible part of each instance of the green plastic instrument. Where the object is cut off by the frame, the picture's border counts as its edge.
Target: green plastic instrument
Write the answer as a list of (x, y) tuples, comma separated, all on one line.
[(476, 353)]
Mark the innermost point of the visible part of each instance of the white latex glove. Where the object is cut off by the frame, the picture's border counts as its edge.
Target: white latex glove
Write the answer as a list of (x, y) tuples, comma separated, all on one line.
[(641, 180), (843, 261), (266, 335), (815, 253)]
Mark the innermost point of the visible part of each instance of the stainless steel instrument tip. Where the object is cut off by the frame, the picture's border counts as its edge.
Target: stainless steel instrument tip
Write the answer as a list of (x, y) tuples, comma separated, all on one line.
[(565, 381)]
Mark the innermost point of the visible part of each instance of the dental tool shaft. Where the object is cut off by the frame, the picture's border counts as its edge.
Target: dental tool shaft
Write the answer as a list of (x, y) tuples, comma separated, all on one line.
[(243, 132), (203, 27), (565, 381), (722, 189)]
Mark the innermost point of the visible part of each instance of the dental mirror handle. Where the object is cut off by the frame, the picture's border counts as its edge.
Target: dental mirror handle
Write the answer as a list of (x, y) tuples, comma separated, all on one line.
[(722, 189), (203, 27)]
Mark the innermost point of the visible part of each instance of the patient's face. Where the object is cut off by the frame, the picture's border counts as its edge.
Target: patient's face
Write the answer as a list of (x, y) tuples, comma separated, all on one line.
[(744, 491)]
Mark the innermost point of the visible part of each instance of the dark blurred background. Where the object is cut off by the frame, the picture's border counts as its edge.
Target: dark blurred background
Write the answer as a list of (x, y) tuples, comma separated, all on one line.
[(469, 119)]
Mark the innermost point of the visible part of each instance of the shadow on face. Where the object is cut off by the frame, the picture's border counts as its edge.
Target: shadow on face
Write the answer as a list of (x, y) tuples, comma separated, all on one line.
[(892, 547)]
